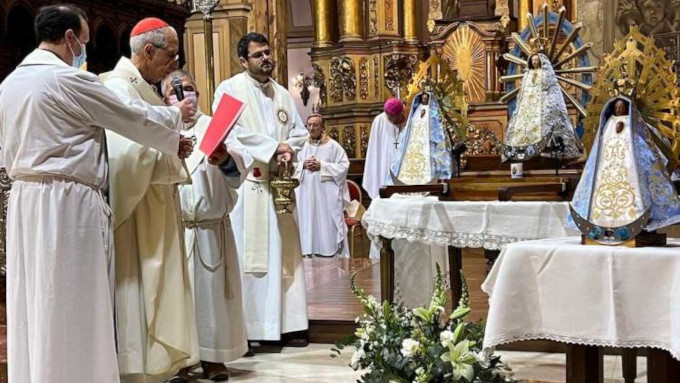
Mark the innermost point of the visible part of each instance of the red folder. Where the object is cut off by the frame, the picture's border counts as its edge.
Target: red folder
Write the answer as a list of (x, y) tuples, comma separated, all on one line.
[(222, 122)]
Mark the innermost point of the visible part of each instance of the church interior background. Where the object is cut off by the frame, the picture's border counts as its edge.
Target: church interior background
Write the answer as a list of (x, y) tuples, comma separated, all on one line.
[(346, 57)]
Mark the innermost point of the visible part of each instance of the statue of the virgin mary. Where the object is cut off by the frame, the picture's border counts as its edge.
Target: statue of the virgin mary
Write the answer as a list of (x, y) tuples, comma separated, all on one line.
[(541, 119), (625, 186), (424, 153)]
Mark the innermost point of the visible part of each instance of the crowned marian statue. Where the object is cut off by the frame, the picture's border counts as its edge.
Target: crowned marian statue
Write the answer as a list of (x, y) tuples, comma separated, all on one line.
[(424, 149), (541, 119), (625, 186)]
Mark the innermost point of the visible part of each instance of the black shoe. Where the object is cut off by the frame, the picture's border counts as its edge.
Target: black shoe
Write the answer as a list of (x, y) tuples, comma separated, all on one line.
[(217, 372)]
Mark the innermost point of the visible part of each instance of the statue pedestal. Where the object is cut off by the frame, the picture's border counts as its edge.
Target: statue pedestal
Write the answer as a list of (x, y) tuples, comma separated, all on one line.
[(644, 239)]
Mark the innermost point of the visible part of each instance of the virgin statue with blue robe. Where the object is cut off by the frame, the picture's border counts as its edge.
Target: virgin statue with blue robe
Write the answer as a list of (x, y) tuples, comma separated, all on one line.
[(424, 153), (541, 119), (625, 187)]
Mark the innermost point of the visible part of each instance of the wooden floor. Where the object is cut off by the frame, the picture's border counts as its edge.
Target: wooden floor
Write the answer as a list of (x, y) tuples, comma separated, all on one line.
[(330, 299)]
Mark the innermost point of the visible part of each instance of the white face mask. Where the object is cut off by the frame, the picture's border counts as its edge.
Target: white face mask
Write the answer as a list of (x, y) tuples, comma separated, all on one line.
[(190, 95), (80, 59)]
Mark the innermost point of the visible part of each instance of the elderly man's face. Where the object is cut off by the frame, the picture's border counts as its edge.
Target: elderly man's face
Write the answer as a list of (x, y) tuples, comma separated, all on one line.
[(259, 61), (620, 108), (187, 86), (315, 127), (162, 61)]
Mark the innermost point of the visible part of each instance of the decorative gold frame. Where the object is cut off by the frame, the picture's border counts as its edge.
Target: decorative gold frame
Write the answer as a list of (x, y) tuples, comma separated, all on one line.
[(638, 69)]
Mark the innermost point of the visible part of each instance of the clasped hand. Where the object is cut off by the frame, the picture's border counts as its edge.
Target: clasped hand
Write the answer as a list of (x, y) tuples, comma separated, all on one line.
[(312, 164)]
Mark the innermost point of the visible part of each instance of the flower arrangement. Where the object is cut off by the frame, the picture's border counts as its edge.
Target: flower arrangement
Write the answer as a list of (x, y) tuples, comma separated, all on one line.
[(397, 345)]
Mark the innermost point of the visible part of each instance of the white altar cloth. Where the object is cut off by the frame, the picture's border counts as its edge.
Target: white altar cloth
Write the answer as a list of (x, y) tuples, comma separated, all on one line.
[(473, 224), (560, 290)]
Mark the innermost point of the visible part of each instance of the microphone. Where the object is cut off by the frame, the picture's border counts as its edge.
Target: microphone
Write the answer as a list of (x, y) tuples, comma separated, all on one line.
[(177, 86)]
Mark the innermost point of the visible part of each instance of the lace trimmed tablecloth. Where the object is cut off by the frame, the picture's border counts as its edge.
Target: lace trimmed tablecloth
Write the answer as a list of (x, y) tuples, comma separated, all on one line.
[(490, 225), (560, 290)]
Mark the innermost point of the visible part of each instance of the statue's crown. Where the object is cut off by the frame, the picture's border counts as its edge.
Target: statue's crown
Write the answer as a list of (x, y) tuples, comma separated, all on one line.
[(538, 44)]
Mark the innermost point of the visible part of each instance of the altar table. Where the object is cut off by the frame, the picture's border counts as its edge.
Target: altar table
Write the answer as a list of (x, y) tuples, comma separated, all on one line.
[(594, 296), (458, 224)]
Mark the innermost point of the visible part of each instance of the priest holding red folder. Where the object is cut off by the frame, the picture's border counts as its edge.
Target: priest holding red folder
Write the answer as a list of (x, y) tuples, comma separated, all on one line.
[(270, 131), (210, 248)]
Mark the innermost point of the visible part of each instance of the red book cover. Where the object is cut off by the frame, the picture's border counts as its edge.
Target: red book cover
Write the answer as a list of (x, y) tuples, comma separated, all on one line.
[(222, 122)]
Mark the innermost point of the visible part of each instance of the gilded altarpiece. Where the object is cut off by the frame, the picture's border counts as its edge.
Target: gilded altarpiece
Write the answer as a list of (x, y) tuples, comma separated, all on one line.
[(473, 50), (361, 57)]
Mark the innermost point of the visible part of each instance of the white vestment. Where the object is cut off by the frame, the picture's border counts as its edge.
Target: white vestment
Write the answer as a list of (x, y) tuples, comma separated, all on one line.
[(59, 237), (156, 323), (213, 260), (381, 152), (268, 244), (321, 200)]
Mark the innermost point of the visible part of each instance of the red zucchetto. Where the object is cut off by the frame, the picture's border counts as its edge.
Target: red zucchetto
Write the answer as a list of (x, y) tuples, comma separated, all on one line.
[(148, 24)]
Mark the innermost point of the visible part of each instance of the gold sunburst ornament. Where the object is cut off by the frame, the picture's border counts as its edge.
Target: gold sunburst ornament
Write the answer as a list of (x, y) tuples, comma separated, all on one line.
[(436, 76), (547, 39), (638, 69), (469, 52)]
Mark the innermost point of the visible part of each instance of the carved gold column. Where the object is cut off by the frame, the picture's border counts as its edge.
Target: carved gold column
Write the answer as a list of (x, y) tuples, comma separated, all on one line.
[(410, 21), (524, 8), (351, 20), (383, 19), (324, 22)]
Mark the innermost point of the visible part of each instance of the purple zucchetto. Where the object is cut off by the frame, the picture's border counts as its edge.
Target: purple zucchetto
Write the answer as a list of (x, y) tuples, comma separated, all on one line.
[(394, 107)]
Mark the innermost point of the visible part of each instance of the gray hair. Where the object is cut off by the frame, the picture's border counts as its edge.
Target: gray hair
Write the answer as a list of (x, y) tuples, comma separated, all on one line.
[(155, 37), (176, 73)]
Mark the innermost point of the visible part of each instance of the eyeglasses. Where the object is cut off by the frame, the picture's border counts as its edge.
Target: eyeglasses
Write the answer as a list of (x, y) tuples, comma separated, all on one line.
[(260, 55)]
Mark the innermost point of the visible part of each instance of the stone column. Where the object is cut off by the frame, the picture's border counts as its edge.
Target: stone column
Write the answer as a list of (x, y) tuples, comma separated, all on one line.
[(410, 21), (325, 31), (351, 20)]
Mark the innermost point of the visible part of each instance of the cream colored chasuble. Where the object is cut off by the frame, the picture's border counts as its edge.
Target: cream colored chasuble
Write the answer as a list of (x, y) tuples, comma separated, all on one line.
[(154, 303)]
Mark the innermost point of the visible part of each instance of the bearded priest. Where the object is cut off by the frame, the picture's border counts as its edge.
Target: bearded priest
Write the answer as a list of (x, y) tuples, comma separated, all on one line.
[(322, 195), (155, 315), (269, 130)]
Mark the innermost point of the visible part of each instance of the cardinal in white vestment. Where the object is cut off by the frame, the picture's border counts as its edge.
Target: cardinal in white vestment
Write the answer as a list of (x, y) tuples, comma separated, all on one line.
[(382, 146), (60, 325), (322, 168), (270, 131), (209, 240), (156, 323)]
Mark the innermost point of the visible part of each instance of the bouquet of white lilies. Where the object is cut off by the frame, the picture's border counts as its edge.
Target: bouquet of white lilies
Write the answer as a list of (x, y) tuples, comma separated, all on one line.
[(398, 345)]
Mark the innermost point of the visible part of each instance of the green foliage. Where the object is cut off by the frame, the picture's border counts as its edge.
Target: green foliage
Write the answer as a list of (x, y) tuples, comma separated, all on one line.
[(394, 344)]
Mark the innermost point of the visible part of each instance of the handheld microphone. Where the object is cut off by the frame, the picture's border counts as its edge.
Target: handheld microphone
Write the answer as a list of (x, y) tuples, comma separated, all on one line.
[(177, 86)]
